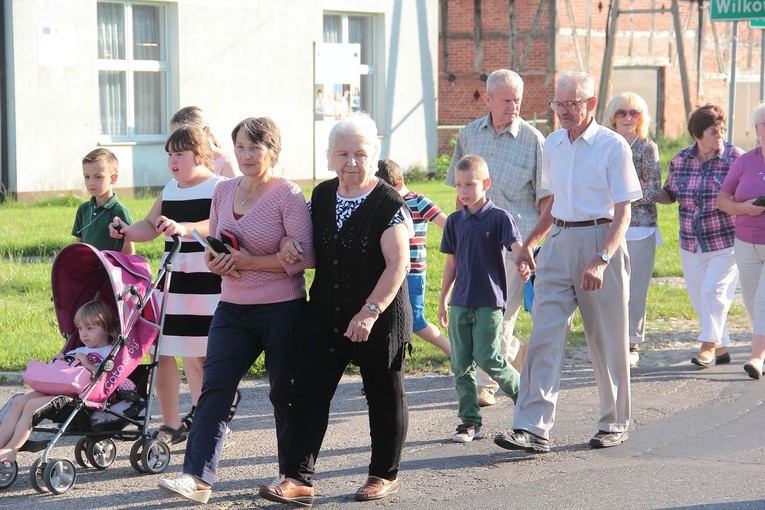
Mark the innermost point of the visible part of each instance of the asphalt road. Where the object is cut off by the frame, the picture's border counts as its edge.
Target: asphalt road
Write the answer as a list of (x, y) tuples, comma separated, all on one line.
[(697, 441)]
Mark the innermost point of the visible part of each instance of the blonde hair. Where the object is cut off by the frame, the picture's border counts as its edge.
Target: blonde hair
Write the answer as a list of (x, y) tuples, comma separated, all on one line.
[(99, 314), (105, 155), (475, 164), (627, 101), (194, 116)]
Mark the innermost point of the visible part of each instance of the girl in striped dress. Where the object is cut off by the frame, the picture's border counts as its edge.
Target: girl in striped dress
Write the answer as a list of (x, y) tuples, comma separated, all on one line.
[(194, 291)]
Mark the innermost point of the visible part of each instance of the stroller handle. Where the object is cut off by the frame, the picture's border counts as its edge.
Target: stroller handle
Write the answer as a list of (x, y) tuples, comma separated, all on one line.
[(173, 250)]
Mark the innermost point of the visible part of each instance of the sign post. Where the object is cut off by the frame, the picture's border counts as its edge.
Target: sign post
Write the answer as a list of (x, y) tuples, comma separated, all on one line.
[(735, 10)]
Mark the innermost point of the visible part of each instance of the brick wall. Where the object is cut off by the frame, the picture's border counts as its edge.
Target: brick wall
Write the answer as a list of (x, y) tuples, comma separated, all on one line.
[(642, 40)]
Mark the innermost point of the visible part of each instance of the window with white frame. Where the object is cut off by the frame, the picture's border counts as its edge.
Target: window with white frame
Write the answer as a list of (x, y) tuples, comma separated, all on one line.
[(132, 69), (357, 28)]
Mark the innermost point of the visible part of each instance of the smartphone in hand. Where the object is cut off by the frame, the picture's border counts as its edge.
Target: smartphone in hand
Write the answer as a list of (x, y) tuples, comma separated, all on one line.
[(760, 201), (216, 245)]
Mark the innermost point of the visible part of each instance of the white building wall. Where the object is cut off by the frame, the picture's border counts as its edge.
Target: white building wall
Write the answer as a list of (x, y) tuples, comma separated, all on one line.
[(234, 59)]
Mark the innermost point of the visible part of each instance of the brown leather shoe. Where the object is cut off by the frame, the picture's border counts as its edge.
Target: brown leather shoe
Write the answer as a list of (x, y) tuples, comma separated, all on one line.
[(288, 492), (377, 488)]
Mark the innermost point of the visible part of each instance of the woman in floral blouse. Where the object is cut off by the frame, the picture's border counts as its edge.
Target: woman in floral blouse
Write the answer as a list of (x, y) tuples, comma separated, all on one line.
[(627, 114), (695, 176)]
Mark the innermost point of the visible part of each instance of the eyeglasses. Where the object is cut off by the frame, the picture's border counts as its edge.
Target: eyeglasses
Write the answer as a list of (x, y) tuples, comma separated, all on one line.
[(624, 113), (715, 130), (568, 105)]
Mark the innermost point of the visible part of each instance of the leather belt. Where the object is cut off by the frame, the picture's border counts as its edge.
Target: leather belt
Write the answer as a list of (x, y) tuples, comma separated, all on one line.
[(588, 223)]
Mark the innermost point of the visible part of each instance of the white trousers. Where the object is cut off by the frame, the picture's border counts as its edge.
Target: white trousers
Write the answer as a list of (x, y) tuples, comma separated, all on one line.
[(750, 259), (711, 280)]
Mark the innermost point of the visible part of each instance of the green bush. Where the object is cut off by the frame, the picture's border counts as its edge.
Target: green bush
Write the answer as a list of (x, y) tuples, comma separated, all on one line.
[(416, 173)]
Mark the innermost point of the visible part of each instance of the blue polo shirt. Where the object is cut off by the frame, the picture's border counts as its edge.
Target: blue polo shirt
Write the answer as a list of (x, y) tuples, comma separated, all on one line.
[(479, 242)]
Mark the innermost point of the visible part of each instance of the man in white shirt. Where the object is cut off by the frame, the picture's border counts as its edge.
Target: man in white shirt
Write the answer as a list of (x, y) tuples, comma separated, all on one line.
[(584, 264)]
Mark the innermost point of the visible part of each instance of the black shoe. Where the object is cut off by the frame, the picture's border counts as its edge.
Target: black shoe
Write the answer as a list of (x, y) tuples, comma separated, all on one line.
[(523, 440), (703, 362), (605, 439), (722, 359)]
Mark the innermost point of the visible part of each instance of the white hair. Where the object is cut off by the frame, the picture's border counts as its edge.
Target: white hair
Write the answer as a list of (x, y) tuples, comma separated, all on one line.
[(758, 114), (505, 77), (583, 82), (359, 124)]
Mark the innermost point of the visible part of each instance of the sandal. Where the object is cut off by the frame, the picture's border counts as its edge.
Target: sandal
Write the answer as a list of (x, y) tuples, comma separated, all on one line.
[(171, 436), (187, 420)]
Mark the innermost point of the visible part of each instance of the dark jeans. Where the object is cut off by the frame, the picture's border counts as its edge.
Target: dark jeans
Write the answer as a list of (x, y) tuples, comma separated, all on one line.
[(238, 334), (316, 381)]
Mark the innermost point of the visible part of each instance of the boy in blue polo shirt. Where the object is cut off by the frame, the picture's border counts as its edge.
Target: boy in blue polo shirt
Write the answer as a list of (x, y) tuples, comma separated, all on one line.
[(474, 240)]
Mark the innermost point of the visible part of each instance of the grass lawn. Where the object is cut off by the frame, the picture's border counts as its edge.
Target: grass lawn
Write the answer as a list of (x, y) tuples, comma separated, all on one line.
[(31, 235)]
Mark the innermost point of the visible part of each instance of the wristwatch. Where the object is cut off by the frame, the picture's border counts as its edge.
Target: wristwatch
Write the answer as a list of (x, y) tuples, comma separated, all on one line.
[(605, 257), (373, 308)]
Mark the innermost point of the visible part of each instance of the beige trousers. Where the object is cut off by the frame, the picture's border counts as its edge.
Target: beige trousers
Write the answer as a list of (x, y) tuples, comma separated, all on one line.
[(563, 258)]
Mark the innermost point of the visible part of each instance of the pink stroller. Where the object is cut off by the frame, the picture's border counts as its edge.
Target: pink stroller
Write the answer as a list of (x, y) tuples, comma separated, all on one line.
[(103, 411)]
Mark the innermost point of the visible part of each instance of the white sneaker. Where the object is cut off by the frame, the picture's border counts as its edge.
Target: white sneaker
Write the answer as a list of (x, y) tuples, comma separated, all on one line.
[(185, 486), (634, 358), (466, 432), (486, 396)]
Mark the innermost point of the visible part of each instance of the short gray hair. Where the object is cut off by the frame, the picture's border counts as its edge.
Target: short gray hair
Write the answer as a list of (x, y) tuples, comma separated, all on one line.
[(582, 81), (504, 77), (359, 124), (758, 114)]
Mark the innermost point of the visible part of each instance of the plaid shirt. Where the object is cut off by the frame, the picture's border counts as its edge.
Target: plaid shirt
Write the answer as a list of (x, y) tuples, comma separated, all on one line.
[(514, 158), (695, 187)]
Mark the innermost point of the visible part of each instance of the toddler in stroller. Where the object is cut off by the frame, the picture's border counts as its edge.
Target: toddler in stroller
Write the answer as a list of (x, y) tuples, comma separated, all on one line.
[(97, 328), (117, 323)]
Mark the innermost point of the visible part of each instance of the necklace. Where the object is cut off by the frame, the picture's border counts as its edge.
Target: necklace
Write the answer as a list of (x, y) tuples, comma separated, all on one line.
[(247, 199)]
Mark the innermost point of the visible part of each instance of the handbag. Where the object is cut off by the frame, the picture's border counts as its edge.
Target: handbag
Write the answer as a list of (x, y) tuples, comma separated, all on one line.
[(57, 377)]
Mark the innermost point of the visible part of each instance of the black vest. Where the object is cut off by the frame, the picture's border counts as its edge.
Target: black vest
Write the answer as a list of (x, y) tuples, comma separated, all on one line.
[(349, 263)]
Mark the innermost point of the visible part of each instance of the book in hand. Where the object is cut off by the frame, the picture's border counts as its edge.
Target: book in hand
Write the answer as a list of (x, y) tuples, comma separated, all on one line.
[(201, 240)]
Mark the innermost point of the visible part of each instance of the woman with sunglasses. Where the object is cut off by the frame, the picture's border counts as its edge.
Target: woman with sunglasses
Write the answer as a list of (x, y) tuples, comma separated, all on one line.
[(627, 114), (695, 176)]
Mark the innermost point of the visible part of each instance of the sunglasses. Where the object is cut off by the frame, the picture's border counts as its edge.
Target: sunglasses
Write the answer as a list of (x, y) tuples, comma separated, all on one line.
[(624, 113)]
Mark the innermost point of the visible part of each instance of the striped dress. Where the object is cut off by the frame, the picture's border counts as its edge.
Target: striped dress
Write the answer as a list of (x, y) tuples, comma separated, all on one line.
[(194, 291)]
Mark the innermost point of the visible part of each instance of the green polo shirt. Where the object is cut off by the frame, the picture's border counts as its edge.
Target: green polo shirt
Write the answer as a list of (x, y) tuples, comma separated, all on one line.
[(92, 223)]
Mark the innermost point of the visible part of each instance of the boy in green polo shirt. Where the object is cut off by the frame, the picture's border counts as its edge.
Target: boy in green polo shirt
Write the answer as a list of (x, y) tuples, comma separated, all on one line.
[(91, 225)]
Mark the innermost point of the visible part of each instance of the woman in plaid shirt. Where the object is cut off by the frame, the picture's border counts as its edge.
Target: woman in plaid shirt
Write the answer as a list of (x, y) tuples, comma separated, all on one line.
[(706, 233)]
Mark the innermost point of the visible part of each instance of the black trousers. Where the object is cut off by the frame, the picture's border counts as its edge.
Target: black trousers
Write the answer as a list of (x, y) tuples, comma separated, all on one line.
[(315, 384)]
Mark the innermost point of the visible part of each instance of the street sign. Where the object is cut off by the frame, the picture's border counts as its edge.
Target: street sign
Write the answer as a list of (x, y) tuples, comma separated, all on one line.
[(757, 23), (732, 10)]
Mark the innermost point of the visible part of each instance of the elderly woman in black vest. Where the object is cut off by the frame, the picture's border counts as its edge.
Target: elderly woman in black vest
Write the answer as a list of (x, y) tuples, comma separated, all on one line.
[(358, 312)]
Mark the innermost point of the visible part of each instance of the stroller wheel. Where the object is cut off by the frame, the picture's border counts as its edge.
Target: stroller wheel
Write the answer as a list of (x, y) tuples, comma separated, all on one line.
[(80, 454), (135, 455), (102, 453), (8, 473), (155, 456), (59, 475), (36, 476)]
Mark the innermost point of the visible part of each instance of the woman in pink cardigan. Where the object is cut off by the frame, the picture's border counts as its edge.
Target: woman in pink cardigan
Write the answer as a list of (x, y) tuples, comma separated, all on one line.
[(258, 307)]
